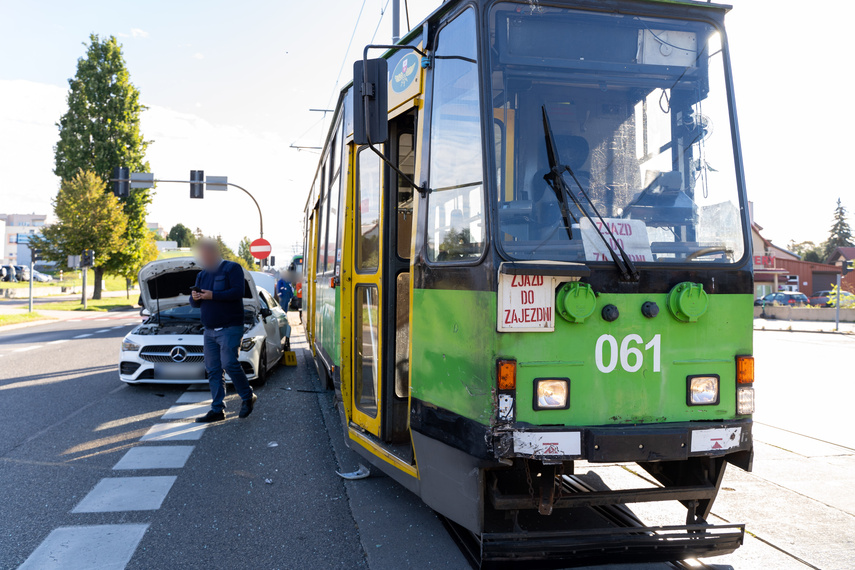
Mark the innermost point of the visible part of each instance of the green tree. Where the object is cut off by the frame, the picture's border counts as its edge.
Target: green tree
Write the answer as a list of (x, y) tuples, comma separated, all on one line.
[(88, 217), (243, 251), (229, 254), (182, 235), (808, 250), (101, 130), (840, 234)]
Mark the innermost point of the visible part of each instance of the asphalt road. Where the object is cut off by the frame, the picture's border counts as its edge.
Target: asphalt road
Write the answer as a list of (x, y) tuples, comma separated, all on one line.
[(262, 493)]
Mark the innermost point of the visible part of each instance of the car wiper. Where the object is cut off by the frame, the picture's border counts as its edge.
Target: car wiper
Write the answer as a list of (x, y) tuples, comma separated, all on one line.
[(555, 178)]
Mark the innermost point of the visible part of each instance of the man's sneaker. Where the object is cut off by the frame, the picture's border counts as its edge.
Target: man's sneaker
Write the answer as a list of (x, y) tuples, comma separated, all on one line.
[(212, 416), (246, 408)]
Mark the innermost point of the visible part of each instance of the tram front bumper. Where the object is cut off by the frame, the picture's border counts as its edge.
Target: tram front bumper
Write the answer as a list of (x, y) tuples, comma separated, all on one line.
[(635, 443)]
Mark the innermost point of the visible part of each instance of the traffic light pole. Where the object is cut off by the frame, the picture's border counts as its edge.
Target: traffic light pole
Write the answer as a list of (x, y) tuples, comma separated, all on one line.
[(837, 306), (245, 191), (32, 264), (84, 270)]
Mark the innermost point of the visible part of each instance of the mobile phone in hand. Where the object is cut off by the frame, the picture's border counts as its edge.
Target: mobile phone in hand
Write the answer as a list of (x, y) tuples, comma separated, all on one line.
[(195, 289)]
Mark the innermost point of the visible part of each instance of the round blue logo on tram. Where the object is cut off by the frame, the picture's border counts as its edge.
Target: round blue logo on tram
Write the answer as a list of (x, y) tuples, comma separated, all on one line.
[(405, 73)]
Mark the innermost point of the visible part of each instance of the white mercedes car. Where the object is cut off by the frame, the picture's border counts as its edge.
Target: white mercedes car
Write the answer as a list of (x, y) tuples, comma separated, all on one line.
[(168, 347)]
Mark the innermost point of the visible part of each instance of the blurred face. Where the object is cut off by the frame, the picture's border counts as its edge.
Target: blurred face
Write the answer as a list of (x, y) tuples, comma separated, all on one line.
[(208, 254)]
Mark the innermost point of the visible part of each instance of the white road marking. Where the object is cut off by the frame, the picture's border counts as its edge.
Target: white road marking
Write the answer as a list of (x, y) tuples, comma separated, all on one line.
[(102, 331), (108, 547), (175, 431), (118, 494), (26, 348), (118, 327), (159, 457), (186, 411), (194, 397), (60, 341), (82, 335)]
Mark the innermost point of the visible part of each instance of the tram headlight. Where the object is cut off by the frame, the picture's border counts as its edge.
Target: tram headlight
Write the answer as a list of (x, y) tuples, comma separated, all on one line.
[(551, 394), (744, 400), (703, 390)]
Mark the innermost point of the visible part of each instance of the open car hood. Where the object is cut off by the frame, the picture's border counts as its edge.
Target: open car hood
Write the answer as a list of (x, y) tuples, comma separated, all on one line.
[(167, 282)]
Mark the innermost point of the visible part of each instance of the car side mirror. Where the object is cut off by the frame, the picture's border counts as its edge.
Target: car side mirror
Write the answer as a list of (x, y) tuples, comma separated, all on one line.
[(145, 312), (265, 312), (370, 101)]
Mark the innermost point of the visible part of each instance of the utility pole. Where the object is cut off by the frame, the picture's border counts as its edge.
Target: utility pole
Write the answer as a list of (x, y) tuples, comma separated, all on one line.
[(396, 21), (837, 306)]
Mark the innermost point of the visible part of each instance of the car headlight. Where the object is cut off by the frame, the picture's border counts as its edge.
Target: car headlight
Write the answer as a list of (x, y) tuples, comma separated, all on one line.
[(703, 390), (551, 393), (129, 346), (247, 344), (745, 400)]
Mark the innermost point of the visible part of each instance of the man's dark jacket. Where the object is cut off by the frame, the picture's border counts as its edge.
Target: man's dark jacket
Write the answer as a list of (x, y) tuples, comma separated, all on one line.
[(225, 308)]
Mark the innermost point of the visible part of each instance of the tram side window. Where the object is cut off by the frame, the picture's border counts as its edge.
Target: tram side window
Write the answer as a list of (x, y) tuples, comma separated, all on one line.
[(368, 212), (456, 204), (332, 241)]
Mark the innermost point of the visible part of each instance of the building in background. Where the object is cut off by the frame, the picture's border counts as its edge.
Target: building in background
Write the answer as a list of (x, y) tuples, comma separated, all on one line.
[(18, 228), (157, 230), (837, 258), (778, 269)]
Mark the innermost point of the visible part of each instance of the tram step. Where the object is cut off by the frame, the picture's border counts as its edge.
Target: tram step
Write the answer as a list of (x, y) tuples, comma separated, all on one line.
[(613, 545), (504, 502)]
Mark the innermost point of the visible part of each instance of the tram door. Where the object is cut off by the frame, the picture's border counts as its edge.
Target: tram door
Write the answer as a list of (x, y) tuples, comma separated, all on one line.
[(383, 216)]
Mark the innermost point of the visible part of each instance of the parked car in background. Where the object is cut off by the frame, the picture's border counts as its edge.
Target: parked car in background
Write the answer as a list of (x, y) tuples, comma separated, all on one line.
[(783, 298), (828, 298), (22, 273), (9, 274), (41, 277), (168, 347)]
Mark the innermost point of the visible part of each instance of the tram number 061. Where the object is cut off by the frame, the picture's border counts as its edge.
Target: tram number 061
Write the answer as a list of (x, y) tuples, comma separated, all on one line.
[(629, 353)]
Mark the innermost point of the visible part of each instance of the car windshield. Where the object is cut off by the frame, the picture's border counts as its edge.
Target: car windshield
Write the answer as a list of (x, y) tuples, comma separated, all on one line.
[(641, 122)]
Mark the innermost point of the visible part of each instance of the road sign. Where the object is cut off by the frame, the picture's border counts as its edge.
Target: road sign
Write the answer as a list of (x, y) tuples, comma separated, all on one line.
[(218, 183), (260, 248), (197, 188), (142, 180)]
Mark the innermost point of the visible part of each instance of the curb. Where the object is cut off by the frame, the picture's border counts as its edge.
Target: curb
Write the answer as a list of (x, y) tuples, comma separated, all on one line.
[(4, 328), (820, 331)]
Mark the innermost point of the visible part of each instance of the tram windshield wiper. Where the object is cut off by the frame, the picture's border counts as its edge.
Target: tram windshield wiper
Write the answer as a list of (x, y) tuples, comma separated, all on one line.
[(555, 179)]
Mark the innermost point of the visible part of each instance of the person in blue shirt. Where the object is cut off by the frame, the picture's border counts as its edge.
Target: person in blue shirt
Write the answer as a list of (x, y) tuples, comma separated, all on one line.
[(284, 291), (219, 295)]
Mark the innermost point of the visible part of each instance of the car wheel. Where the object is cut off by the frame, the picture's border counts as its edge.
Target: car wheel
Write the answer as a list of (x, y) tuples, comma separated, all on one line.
[(261, 377)]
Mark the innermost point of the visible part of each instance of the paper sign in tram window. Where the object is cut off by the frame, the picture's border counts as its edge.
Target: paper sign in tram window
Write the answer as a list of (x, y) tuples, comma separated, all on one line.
[(630, 234)]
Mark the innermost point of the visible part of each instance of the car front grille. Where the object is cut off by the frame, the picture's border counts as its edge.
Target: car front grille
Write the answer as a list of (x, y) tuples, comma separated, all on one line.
[(128, 368), (163, 353)]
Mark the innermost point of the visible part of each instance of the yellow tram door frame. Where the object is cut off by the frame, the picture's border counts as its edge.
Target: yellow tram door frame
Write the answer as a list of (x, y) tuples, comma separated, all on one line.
[(365, 268), (310, 266)]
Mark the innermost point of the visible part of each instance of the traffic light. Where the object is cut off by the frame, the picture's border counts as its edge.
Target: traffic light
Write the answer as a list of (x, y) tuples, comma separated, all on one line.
[(121, 181), (36, 255), (272, 261), (197, 184), (87, 259), (848, 266)]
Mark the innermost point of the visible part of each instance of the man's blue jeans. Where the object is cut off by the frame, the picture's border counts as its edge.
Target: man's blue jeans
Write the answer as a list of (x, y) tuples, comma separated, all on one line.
[(221, 353)]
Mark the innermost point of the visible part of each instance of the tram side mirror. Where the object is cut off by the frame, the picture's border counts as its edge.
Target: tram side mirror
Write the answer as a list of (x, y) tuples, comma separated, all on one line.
[(370, 101)]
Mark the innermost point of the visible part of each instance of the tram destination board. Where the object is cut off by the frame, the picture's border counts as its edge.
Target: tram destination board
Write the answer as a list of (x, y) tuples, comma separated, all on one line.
[(526, 303)]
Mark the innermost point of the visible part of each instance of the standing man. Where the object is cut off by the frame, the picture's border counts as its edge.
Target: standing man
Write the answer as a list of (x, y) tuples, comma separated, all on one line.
[(219, 293)]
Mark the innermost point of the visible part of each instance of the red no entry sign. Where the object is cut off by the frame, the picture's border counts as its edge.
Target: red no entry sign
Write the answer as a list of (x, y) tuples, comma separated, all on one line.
[(260, 248)]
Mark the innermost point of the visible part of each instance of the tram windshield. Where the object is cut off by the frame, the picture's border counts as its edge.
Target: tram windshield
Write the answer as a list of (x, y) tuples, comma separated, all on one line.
[(642, 130)]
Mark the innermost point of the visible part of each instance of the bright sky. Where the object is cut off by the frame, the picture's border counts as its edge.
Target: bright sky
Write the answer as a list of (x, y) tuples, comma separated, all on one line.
[(229, 87)]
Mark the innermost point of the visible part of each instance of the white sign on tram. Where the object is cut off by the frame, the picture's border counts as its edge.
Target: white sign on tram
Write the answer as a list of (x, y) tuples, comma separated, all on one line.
[(526, 303)]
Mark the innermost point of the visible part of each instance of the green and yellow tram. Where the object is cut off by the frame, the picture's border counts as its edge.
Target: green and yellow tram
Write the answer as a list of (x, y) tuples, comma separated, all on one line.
[(526, 246)]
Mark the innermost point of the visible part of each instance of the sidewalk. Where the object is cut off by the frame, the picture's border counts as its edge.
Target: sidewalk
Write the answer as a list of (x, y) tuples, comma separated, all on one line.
[(802, 326)]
